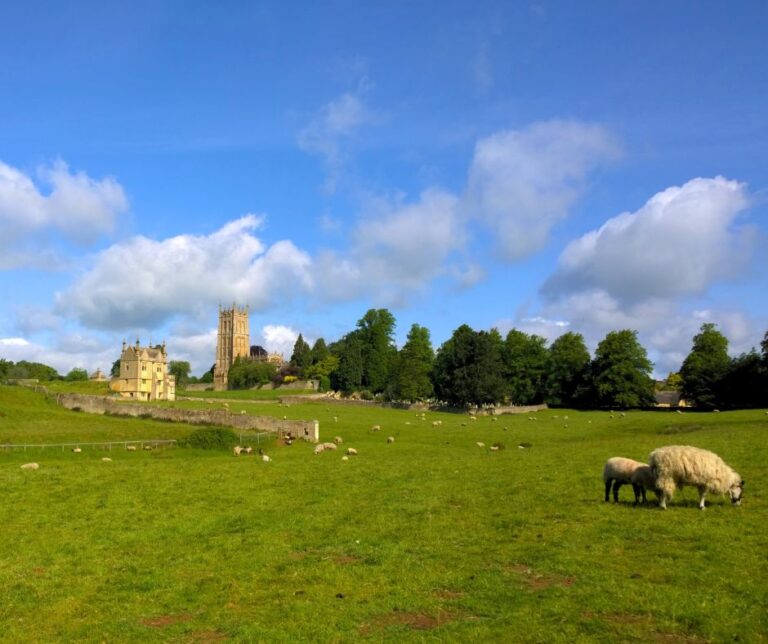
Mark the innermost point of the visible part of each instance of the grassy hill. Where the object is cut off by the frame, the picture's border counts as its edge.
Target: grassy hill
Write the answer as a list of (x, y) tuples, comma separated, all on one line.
[(428, 538)]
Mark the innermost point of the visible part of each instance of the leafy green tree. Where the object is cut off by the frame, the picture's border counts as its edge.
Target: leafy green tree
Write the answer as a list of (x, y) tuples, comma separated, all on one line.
[(621, 372), (207, 377), (246, 374), (5, 368), (412, 374), (744, 383), (525, 360), (319, 351), (568, 371), (348, 376), (76, 374), (302, 355), (705, 367), (115, 370), (36, 370), (376, 331), (180, 370), (322, 370), (468, 368)]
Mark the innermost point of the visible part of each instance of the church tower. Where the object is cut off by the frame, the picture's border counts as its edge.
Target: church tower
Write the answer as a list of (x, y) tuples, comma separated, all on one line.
[(233, 341)]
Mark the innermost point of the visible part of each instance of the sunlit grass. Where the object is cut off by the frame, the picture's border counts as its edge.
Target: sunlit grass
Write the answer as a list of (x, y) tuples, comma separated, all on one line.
[(430, 537)]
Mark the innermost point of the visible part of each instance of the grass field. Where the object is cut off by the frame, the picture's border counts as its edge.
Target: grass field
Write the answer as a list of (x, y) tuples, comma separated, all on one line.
[(247, 394), (431, 538)]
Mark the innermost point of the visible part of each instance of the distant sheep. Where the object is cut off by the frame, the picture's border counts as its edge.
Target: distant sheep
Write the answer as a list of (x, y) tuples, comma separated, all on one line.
[(319, 448), (265, 458), (338, 440), (617, 471), (351, 451), (390, 439), (106, 459), (678, 465), (130, 448), (479, 444), (237, 450), (30, 466), (77, 450), (376, 428), (248, 450), (329, 445)]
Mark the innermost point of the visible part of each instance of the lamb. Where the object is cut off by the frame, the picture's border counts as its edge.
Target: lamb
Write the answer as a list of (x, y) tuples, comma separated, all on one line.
[(390, 439), (30, 466), (678, 465), (319, 448), (643, 479), (351, 451), (616, 472)]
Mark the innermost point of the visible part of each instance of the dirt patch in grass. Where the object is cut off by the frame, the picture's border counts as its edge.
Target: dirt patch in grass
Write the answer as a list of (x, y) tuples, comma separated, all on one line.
[(538, 581), (345, 560), (411, 620), (162, 621)]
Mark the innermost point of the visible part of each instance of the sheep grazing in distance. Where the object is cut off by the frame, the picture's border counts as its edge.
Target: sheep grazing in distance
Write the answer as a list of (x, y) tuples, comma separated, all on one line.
[(437, 423), (376, 428), (237, 450), (30, 466), (106, 459), (473, 418), (479, 444), (130, 448), (616, 472), (345, 458), (335, 419), (351, 451), (338, 440), (319, 448), (390, 439), (329, 445), (265, 458), (675, 466), (76, 450)]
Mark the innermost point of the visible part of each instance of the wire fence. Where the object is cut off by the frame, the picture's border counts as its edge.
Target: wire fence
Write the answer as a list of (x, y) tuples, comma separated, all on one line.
[(259, 438), (107, 446)]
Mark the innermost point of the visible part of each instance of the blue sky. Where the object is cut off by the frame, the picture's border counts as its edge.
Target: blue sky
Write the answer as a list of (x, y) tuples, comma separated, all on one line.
[(547, 166)]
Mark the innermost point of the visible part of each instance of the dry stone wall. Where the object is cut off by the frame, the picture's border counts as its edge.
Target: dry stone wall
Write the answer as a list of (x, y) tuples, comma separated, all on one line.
[(306, 429)]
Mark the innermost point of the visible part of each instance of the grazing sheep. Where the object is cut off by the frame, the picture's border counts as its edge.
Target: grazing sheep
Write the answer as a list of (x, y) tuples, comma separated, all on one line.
[(319, 448), (106, 459), (338, 440), (77, 450), (345, 458), (30, 466), (335, 419), (265, 458), (351, 451), (237, 450), (130, 448), (376, 428), (479, 444), (329, 445), (147, 447), (390, 439), (678, 465), (616, 472), (643, 479), (436, 423), (473, 418)]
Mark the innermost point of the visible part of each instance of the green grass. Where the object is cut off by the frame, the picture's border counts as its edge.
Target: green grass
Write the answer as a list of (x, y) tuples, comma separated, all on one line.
[(430, 538), (247, 394)]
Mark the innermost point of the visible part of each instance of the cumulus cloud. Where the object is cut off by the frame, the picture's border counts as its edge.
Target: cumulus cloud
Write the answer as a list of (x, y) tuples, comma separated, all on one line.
[(143, 282), (680, 242), (68, 353), (277, 338), (76, 207), (330, 130), (397, 249), (522, 182)]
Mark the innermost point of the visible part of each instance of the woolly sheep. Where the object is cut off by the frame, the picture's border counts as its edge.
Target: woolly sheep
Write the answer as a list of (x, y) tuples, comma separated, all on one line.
[(643, 479), (678, 465), (265, 458), (106, 459), (329, 445), (375, 428), (351, 451), (248, 450), (237, 450), (390, 439), (319, 448), (130, 448), (479, 444), (77, 450), (616, 472), (338, 440), (30, 466)]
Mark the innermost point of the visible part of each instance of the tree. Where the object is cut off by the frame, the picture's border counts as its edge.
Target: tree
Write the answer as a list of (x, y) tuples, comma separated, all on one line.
[(115, 370), (705, 367), (348, 376), (568, 370), (5, 368), (412, 374), (319, 351), (468, 368), (525, 366), (180, 370), (302, 355), (76, 374), (246, 374), (744, 384), (207, 377), (621, 372), (35, 370), (322, 370), (376, 331)]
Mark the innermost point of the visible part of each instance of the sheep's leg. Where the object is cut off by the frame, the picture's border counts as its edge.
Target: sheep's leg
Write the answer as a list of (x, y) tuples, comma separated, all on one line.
[(608, 490), (616, 486), (642, 491), (702, 492), (636, 489)]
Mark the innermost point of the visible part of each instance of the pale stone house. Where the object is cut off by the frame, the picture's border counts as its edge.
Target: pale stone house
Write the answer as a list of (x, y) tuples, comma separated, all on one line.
[(144, 374)]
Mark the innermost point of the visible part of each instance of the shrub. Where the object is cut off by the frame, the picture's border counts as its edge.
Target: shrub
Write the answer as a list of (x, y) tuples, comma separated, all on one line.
[(210, 438)]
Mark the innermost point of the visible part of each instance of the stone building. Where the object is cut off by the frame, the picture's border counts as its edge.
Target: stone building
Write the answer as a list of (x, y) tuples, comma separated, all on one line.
[(144, 374), (233, 341)]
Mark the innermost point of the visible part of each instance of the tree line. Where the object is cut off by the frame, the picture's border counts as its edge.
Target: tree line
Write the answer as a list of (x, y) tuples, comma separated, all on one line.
[(483, 368)]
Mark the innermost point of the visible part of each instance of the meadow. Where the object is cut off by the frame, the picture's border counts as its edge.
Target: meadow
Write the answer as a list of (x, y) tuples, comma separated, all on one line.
[(430, 538)]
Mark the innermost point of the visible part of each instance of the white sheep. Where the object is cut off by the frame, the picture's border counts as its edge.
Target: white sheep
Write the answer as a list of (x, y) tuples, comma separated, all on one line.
[(30, 466), (329, 445), (338, 440), (265, 458), (130, 448), (376, 428), (351, 451), (319, 448), (77, 450), (106, 459), (616, 472), (479, 444), (643, 479), (237, 450), (678, 465), (248, 450), (390, 439)]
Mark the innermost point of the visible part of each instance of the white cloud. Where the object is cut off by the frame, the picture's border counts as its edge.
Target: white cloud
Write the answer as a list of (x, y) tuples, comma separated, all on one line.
[(77, 208), (680, 242), (397, 249), (330, 130), (522, 182), (277, 338), (141, 283), (69, 352)]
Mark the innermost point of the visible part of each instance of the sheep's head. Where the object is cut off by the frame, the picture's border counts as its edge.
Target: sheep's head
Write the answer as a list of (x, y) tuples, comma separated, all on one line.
[(735, 492)]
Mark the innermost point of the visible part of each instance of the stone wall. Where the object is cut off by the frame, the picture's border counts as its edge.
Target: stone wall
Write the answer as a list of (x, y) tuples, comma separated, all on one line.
[(306, 429)]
